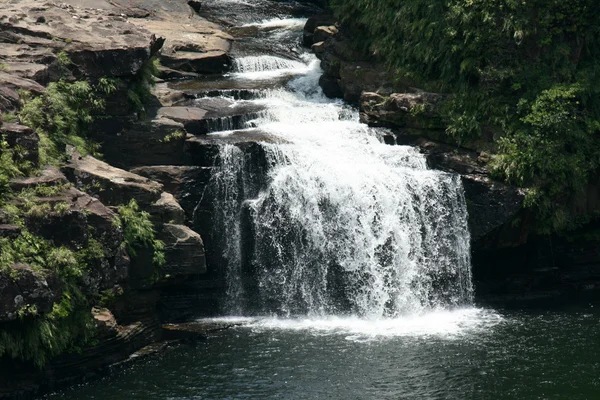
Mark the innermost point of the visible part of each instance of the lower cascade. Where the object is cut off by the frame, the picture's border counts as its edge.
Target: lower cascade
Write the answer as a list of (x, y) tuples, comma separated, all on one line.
[(322, 218)]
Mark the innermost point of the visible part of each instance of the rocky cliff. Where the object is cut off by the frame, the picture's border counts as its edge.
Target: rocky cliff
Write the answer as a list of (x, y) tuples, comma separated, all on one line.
[(82, 237)]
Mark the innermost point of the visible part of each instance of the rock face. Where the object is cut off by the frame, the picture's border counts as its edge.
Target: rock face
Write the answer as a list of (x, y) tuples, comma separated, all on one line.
[(42, 42), (21, 287), (112, 185), (184, 251)]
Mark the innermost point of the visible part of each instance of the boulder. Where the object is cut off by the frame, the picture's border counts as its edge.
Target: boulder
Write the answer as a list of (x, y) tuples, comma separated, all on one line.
[(11, 85), (212, 114), (322, 33), (22, 287), (184, 251), (113, 186), (314, 22), (166, 210), (196, 46), (187, 183)]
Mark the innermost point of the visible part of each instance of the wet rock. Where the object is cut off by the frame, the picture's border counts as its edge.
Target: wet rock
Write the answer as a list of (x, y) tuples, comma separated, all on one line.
[(113, 186), (490, 204), (331, 86), (22, 287), (314, 22), (212, 115)]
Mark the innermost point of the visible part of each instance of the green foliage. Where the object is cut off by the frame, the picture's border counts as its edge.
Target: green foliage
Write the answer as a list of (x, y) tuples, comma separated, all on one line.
[(61, 115), (138, 232), (526, 71), (9, 117), (38, 338), (139, 91), (175, 135)]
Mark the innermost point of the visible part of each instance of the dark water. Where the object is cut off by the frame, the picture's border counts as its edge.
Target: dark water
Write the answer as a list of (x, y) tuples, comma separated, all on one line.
[(471, 354)]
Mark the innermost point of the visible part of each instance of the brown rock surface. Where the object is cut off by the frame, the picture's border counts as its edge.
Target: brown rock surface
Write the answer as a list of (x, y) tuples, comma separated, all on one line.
[(113, 186), (98, 43)]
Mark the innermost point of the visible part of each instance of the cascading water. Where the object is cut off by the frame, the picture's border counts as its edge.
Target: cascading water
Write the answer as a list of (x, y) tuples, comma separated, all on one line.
[(326, 219)]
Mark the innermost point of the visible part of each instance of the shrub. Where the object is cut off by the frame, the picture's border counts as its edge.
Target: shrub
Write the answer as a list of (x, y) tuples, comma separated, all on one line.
[(138, 232)]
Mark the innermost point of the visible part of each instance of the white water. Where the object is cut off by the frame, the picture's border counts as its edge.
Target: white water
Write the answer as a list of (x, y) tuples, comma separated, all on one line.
[(282, 23), (340, 223), (261, 67)]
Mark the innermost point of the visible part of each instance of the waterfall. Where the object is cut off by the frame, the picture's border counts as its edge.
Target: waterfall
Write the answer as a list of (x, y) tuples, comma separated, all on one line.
[(327, 219), (265, 63)]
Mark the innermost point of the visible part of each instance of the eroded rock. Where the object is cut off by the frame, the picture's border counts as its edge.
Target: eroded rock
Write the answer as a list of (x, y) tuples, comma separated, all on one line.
[(113, 186)]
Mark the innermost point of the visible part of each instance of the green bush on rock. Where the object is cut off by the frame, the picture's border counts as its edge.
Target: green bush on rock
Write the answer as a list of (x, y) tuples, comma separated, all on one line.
[(138, 232)]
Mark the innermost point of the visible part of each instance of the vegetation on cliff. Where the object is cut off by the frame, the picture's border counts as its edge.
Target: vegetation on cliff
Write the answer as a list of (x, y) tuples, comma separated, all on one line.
[(61, 116), (522, 72)]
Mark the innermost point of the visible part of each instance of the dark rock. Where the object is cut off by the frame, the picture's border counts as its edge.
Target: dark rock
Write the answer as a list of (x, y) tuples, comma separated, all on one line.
[(129, 143), (9, 231), (323, 19), (187, 184), (195, 5), (490, 204), (322, 33), (403, 110), (331, 86), (21, 287)]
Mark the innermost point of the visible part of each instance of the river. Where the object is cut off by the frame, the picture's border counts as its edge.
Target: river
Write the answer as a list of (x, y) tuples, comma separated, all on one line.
[(359, 259)]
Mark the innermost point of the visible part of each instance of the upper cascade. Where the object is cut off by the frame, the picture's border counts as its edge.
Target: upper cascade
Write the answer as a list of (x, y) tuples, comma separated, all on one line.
[(265, 63)]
